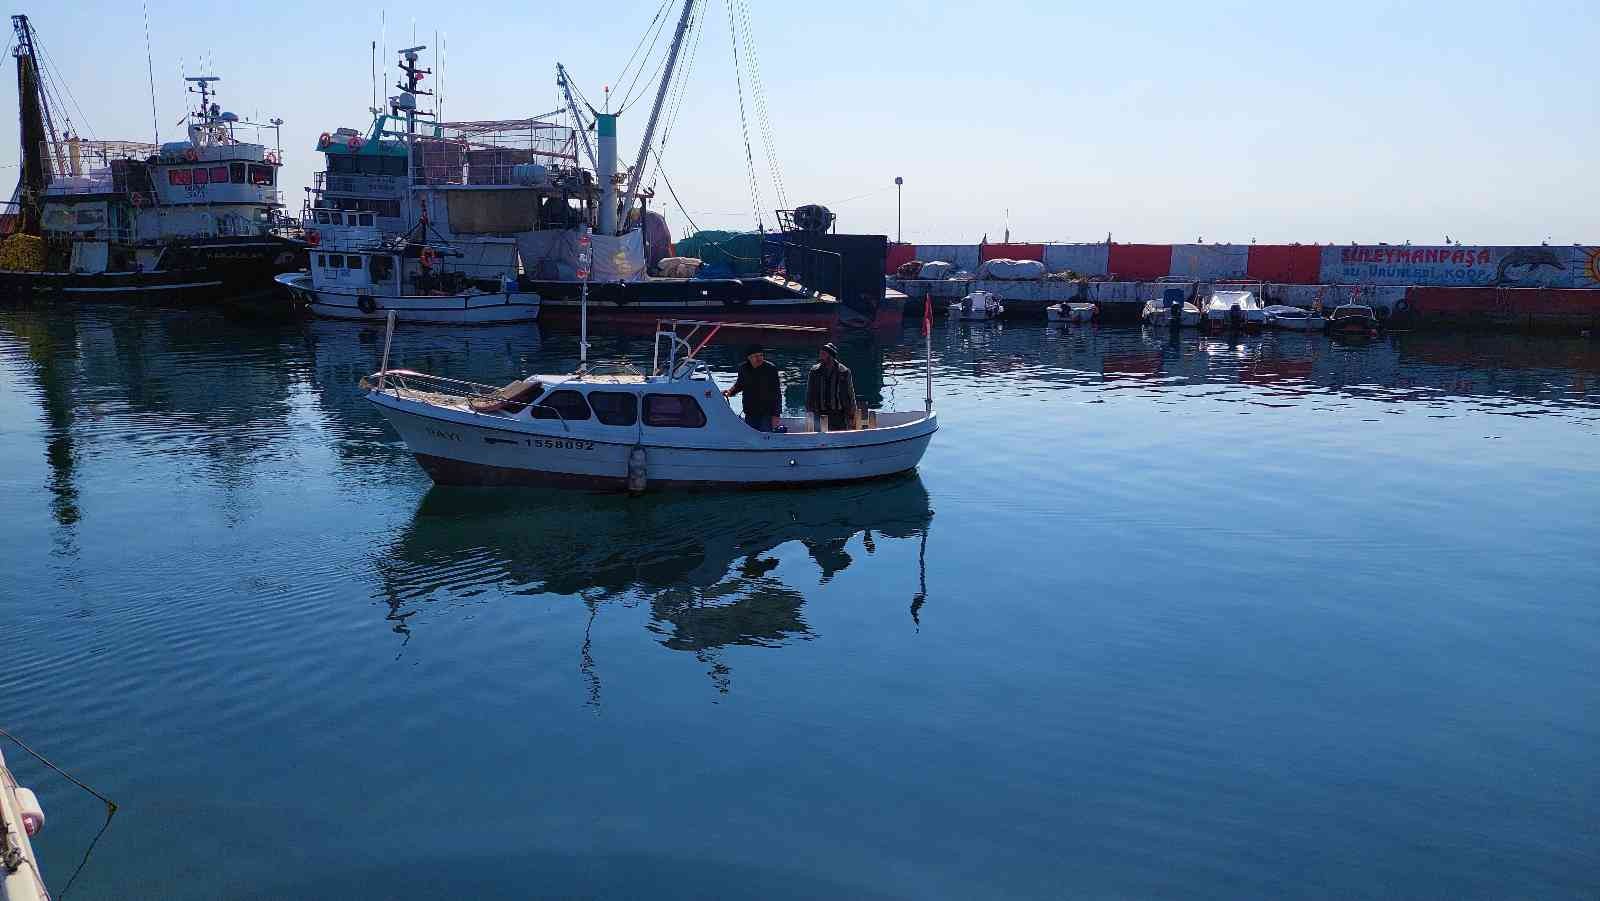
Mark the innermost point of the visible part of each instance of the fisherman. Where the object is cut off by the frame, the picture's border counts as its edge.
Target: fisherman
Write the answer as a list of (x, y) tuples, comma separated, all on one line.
[(830, 391), (758, 382)]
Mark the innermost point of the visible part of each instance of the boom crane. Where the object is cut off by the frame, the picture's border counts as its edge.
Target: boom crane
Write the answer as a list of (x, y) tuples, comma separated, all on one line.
[(572, 107)]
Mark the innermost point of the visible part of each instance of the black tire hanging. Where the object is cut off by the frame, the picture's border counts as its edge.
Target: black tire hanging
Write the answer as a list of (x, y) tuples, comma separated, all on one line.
[(367, 305)]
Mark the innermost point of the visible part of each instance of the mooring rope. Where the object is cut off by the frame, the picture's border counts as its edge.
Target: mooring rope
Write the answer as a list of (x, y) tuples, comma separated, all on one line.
[(111, 807)]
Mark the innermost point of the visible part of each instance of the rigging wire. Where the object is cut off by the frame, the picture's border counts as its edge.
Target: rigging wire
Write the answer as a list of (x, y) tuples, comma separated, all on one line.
[(744, 125), (657, 26), (660, 170), (661, 11), (758, 92), (675, 102), (150, 69)]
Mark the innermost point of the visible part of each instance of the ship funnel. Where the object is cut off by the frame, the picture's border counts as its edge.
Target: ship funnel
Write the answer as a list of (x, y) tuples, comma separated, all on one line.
[(606, 128)]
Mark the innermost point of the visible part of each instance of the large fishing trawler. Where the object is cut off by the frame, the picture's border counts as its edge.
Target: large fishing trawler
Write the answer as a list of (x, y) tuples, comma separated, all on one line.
[(181, 222), (503, 207)]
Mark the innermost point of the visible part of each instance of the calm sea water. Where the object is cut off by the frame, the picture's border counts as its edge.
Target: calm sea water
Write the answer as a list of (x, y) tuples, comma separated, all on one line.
[(1156, 618)]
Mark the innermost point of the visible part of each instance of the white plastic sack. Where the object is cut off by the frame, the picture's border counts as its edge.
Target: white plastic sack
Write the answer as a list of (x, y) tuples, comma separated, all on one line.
[(938, 269), (680, 267), (1013, 270)]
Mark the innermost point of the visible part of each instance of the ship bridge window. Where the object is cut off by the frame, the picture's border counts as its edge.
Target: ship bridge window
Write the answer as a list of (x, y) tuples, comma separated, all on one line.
[(261, 175), (335, 261), (352, 262), (236, 173), (200, 177), (381, 269), (341, 164), (322, 261), (614, 407), (178, 177), (322, 217), (366, 219), (673, 411), (563, 404), (219, 175)]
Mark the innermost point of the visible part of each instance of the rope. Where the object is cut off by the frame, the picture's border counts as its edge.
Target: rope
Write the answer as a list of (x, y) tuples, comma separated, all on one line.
[(111, 808), (150, 69), (653, 27), (675, 101), (758, 93), (744, 126)]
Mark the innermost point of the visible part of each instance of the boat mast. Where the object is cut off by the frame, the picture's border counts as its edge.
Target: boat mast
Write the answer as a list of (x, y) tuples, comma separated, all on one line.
[(655, 111), (572, 106), (35, 114)]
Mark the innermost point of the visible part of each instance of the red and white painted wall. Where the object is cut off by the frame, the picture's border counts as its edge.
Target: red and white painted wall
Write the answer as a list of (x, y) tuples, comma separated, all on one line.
[(1291, 264)]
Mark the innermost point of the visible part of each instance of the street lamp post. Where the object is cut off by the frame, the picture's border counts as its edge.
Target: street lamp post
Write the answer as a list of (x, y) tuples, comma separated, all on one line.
[(898, 181)]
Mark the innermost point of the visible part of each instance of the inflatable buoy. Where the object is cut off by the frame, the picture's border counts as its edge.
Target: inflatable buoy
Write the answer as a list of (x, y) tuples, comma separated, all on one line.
[(272, 158), (428, 257), (324, 140), (367, 305), (313, 237), (354, 143), (191, 154)]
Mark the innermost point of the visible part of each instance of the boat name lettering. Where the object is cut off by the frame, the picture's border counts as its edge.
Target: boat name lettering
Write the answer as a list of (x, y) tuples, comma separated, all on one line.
[(446, 436), (562, 443)]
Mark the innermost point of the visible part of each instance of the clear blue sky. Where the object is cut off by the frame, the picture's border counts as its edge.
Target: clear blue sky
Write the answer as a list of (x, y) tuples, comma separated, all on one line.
[(1154, 121)]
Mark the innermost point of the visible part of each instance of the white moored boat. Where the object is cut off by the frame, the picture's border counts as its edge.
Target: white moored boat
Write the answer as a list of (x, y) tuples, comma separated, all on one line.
[(1071, 312), (1293, 318), (21, 817), (977, 306), (1235, 309), (670, 428)]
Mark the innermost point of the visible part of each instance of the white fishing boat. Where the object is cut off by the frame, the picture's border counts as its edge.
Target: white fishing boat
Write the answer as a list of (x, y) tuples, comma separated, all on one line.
[(356, 276), (1293, 318), (1160, 312), (21, 818), (977, 306), (621, 429), (1072, 312), (1234, 309)]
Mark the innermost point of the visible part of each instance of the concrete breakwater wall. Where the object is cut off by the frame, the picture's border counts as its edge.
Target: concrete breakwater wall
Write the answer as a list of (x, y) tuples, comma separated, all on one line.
[(1288, 264)]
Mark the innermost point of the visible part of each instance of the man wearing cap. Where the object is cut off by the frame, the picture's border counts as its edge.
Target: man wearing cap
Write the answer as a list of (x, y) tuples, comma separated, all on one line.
[(830, 390), (758, 382)]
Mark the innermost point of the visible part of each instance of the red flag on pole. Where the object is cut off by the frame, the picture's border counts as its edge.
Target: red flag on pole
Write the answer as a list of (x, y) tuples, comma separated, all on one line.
[(927, 313)]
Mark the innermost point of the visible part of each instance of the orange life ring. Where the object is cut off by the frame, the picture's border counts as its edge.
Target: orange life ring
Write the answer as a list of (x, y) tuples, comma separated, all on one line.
[(272, 158), (191, 154), (313, 237), (324, 141), (354, 143), (428, 257), (137, 198)]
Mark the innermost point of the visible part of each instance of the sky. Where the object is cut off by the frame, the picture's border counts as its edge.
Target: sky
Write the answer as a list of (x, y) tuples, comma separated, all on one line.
[(1151, 121)]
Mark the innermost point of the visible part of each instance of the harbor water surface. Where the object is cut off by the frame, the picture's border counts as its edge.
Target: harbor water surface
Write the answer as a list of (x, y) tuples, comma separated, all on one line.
[(1158, 617)]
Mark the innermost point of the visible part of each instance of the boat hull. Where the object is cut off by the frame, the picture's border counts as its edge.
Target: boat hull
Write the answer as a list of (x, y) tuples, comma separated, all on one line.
[(453, 309), (1302, 324), (475, 449)]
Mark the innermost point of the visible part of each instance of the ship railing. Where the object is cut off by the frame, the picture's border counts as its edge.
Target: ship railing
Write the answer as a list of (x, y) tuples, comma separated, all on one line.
[(499, 400), (102, 233)]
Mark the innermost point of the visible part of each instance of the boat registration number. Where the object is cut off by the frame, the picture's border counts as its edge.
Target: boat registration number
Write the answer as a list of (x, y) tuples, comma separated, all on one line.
[(563, 444)]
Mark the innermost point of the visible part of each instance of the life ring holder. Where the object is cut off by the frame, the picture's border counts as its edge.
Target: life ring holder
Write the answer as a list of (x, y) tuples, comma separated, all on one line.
[(324, 140), (354, 143), (271, 158), (313, 237), (428, 257), (366, 304)]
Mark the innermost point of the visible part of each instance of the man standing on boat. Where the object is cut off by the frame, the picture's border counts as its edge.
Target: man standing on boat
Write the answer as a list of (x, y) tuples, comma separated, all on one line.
[(758, 382), (831, 391)]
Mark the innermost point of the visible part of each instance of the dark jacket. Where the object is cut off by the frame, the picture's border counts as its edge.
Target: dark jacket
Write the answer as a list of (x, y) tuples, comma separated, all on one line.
[(830, 389), (759, 385)]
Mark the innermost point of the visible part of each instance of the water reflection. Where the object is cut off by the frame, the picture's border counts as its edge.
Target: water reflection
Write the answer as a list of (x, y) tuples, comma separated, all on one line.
[(50, 344), (705, 564)]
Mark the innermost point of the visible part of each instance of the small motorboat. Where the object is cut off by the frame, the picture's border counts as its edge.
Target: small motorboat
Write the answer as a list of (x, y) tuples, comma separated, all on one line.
[(631, 430), (1160, 312), (1293, 318), (1234, 309), (1353, 319), (1072, 312), (979, 305)]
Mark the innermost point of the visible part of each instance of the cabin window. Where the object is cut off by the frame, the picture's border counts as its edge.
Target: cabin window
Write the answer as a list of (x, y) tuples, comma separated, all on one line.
[(381, 269), (352, 262), (201, 176), (322, 217), (219, 175), (562, 404), (392, 165), (236, 173), (91, 217), (322, 261), (178, 177), (673, 411), (614, 407), (261, 175), (340, 164), (366, 218), (335, 261)]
